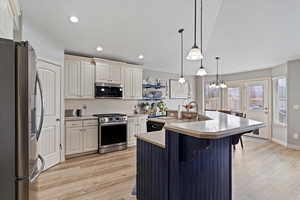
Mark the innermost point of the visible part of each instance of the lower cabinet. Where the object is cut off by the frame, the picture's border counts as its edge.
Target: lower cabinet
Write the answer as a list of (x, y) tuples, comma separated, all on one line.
[(81, 137), (90, 139), (73, 140), (136, 125)]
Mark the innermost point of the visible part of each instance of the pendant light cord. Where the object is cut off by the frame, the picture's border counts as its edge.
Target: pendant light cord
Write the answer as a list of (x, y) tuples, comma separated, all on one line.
[(181, 54), (201, 38), (217, 58), (181, 34), (195, 25)]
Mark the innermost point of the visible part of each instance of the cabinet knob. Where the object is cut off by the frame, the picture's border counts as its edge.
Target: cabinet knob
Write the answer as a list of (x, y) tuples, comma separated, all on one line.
[(58, 120)]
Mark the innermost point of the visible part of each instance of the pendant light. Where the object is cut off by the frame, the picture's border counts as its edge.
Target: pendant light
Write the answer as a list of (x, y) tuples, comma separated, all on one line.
[(201, 71), (195, 53), (218, 83), (181, 79)]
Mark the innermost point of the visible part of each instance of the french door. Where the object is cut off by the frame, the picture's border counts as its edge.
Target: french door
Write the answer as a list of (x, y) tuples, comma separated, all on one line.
[(253, 98)]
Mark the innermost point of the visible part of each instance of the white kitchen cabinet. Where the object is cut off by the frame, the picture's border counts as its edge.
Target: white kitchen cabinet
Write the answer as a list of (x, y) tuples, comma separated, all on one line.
[(136, 125), (90, 140), (87, 80), (102, 72), (72, 78), (116, 73), (9, 18), (79, 78), (108, 72), (81, 137), (133, 80), (73, 140)]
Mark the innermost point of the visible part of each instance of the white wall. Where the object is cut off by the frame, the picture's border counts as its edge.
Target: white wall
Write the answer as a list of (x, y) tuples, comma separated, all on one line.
[(45, 46), (172, 103)]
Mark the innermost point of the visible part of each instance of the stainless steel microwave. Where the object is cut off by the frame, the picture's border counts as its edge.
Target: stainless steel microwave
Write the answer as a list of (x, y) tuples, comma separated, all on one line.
[(108, 91)]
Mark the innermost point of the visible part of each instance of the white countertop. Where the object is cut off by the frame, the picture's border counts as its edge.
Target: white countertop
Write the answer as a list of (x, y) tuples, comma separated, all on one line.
[(221, 125)]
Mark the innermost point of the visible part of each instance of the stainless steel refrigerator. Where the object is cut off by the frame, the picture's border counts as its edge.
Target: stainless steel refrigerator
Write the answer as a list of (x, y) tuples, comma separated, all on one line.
[(20, 124)]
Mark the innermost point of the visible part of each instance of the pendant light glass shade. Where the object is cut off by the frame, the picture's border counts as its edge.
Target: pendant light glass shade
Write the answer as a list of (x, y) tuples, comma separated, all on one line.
[(223, 85), (195, 54), (201, 71), (212, 85), (181, 80)]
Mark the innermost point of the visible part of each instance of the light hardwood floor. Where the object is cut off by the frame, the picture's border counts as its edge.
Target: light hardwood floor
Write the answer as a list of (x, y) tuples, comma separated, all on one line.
[(263, 171)]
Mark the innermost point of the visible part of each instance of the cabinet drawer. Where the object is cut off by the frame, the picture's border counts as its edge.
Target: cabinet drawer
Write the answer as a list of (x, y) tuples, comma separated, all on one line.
[(73, 123), (90, 123)]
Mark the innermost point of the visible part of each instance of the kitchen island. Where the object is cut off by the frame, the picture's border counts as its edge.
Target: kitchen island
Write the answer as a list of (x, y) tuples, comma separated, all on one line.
[(190, 160)]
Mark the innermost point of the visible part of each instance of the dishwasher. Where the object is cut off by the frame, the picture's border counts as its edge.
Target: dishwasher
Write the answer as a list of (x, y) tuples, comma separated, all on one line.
[(154, 126)]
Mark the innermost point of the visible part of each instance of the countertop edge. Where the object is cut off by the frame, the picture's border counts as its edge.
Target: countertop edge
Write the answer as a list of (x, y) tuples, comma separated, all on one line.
[(208, 135), (80, 118), (156, 138)]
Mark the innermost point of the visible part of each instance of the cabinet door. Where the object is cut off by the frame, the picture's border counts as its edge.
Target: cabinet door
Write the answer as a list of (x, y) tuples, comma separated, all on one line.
[(131, 131), (137, 82), (87, 80), (143, 125), (128, 83), (90, 138), (116, 73), (72, 78), (102, 72), (73, 141)]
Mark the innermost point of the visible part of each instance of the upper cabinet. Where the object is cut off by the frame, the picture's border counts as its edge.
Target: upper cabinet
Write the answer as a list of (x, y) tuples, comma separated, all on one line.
[(87, 80), (108, 72), (79, 78), (133, 80), (9, 19), (82, 73)]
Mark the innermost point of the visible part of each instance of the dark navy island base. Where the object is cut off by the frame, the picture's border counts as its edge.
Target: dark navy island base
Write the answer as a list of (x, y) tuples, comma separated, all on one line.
[(188, 168)]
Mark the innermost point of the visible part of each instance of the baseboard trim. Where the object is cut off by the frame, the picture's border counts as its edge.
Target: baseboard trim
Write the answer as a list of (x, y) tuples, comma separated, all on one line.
[(292, 146), (280, 142)]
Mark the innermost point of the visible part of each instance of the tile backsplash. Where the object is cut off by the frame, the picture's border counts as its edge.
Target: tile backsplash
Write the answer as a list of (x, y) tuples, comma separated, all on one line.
[(96, 106)]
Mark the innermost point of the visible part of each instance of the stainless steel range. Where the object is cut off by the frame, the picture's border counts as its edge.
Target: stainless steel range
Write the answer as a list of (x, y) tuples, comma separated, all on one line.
[(112, 132)]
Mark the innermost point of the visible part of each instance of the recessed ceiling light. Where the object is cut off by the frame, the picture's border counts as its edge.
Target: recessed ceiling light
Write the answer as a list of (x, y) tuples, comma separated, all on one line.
[(74, 19), (99, 48), (141, 56)]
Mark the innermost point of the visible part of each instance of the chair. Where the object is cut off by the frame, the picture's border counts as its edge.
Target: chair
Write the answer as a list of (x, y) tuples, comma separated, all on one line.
[(243, 115)]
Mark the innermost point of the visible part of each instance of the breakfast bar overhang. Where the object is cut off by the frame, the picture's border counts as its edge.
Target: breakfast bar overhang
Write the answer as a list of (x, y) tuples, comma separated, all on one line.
[(190, 160)]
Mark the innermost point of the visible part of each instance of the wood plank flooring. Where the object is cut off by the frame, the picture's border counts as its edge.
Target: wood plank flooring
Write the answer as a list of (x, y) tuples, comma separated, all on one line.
[(263, 171)]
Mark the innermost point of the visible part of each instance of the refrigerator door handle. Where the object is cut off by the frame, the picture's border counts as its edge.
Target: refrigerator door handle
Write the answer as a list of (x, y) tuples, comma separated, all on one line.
[(40, 170), (38, 82)]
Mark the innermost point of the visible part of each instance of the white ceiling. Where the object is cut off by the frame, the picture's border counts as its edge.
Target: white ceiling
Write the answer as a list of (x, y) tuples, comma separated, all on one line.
[(246, 34)]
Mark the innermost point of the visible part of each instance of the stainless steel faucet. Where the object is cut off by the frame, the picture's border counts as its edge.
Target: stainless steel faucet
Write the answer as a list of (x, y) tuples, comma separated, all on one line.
[(197, 108)]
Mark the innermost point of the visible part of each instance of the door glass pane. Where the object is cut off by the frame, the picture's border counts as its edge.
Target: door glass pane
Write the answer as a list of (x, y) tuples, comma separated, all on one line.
[(212, 98), (280, 100), (256, 97), (234, 99)]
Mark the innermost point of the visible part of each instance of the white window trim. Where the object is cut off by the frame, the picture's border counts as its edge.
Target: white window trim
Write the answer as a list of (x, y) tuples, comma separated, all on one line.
[(277, 123)]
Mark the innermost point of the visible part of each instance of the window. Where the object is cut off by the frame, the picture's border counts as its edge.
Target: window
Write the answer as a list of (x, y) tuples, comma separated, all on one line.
[(256, 98), (234, 99), (212, 98), (280, 100)]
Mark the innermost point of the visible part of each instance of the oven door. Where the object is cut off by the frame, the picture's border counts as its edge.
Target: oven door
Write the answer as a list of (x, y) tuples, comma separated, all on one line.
[(112, 135), (113, 91)]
